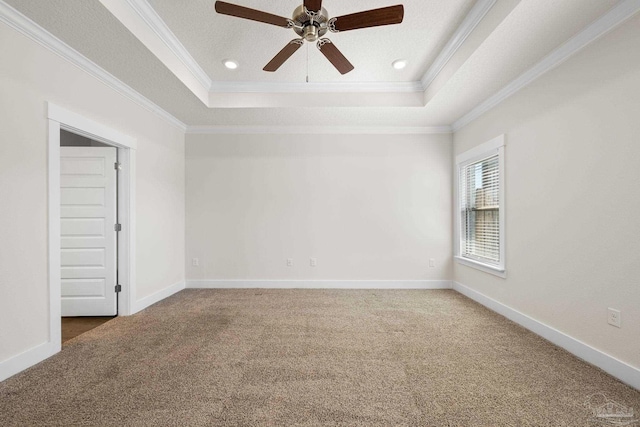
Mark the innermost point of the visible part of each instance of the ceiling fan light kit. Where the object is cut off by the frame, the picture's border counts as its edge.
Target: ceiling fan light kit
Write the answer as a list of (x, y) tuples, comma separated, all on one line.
[(311, 22)]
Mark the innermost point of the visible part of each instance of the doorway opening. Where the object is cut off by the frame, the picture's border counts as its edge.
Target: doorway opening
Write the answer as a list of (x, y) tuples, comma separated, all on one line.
[(75, 326), (91, 224), (89, 233)]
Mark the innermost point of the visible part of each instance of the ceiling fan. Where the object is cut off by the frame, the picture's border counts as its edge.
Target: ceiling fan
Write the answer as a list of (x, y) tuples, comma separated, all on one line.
[(311, 21)]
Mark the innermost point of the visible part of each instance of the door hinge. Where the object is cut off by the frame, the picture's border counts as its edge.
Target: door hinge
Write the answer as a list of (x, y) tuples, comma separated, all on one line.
[(117, 166), (118, 288), (117, 227)]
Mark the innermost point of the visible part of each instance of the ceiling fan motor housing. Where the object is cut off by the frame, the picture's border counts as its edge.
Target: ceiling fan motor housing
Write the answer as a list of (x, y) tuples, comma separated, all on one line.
[(310, 27)]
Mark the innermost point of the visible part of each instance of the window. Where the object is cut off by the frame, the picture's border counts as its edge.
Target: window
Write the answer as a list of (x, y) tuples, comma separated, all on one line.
[(480, 207)]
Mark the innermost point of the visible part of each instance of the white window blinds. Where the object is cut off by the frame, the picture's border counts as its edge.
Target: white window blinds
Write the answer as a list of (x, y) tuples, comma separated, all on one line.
[(480, 210)]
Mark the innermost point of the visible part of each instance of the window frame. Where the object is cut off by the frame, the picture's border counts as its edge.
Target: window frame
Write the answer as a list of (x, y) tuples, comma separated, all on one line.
[(482, 151)]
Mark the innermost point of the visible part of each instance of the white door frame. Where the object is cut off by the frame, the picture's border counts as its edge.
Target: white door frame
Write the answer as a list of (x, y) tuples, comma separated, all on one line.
[(60, 118)]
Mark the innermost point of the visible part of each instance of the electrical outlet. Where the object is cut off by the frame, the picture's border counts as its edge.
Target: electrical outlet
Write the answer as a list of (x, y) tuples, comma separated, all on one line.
[(289, 262), (195, 262), (313, 262), (614, 317), (432, 262)]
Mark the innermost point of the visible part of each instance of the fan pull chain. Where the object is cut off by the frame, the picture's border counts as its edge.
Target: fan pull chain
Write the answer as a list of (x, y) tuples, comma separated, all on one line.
[(307, 62)]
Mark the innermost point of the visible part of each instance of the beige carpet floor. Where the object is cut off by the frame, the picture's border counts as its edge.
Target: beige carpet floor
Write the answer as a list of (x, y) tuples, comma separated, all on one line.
[(309, 358)]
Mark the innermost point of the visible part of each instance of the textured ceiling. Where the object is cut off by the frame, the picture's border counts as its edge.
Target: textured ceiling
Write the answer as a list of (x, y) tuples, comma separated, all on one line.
[(528, 34), (89, 28), (211, 37), (501, 49)]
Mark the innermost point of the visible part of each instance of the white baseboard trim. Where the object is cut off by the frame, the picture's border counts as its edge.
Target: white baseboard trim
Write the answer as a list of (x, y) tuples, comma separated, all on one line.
[(26, 359), (158, 296), (622, 371), (37, 354), (319, 284)]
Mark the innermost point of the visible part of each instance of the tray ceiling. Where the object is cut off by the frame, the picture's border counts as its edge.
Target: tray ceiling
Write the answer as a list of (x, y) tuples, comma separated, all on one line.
[(427, 26), (460, 52)]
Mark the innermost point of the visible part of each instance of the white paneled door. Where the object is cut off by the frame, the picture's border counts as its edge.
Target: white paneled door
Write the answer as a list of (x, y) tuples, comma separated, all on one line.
[(88, 237)]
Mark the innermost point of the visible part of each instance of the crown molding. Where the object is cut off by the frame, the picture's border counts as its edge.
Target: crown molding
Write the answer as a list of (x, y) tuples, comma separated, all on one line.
[(142, 21), (317, 130), (616, 16), (160, 28), (151, 18), (470, 22), (316, 87), (33, 31), (154, 22), (154, 33)]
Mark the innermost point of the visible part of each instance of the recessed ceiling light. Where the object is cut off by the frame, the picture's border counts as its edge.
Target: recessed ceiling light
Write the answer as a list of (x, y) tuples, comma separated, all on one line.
[(230, 64), (399, 64)]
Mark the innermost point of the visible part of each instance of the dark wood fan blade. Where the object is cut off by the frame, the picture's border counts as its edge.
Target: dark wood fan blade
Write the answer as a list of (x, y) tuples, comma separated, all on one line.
[(313, 5), (283, 55), (251, 14), (331, 52), (370, 18)]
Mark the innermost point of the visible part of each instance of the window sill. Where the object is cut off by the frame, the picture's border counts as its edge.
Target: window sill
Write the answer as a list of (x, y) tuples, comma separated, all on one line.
[(482, 267)]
